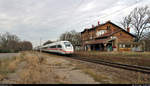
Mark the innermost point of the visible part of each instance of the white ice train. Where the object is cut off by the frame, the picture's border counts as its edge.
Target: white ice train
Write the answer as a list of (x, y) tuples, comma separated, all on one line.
[(61, 47)]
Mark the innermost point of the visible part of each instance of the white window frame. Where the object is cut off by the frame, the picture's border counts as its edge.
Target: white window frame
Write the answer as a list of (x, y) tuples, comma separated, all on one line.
[(101, 32)]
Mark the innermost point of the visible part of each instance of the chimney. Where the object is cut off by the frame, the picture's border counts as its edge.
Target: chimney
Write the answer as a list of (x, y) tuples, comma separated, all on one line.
[(92, 26), (86, 29), (128, 29), (108, 21), (98, 23)]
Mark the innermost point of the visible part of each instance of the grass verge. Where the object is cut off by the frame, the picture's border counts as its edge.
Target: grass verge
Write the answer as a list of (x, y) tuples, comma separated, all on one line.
[(96, 76), (8, 65), (134, 58)]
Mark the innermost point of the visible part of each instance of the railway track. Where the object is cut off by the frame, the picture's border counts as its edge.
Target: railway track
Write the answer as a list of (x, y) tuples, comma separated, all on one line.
[(135, 68)]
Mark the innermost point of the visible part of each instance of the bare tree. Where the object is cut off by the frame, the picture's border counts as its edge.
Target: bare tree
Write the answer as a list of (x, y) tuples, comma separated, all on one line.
[(11, 43), (8, 40), (25, 45), (126, 22), (72, 36), (48, 42), (146, 39), (13, 46), (139, 20)]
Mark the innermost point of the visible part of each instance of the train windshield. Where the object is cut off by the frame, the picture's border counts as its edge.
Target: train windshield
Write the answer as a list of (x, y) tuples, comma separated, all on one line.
[(67, 44)]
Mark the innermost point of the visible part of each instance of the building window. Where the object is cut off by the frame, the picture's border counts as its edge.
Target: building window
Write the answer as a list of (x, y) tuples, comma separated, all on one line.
[(123, 46), (120, 45), (91, 37), (108, 27), (128, 46), (101, 32), (135, 45)]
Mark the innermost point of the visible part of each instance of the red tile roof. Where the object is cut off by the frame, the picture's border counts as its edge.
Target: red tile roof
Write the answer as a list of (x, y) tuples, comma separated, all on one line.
[(106, 23)]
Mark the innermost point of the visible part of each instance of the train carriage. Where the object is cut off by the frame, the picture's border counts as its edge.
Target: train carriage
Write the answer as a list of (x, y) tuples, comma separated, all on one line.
[(61, 47)]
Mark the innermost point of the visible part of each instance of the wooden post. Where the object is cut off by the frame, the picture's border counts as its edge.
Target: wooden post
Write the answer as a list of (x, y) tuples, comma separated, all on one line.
[(144, 46), (118, 47)]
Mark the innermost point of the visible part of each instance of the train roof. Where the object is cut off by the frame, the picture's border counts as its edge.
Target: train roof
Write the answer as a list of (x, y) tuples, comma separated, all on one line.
[(55, 42), (64, 41)]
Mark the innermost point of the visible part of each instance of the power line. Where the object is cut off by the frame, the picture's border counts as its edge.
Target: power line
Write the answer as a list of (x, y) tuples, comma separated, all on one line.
[(107, 15)]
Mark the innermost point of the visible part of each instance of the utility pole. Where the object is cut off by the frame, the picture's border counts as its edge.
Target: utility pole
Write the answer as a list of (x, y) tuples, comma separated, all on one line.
[(40, 44), (39, 55)]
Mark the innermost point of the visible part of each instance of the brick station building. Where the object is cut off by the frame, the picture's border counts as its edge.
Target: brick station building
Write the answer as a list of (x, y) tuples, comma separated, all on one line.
[(109, 37)]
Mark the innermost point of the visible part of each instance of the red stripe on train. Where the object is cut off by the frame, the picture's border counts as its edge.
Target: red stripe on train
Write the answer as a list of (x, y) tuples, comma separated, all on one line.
[(60, 50)]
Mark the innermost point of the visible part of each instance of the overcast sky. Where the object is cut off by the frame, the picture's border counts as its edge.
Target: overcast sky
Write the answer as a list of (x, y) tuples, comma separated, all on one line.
[(47, 19)]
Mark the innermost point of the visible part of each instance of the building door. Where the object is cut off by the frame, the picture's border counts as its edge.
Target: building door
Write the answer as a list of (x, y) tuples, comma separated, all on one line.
[(109, 47), (97, 47)]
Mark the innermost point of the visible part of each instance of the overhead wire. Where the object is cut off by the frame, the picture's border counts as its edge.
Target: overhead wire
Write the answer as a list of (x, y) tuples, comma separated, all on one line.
[(107, 15)]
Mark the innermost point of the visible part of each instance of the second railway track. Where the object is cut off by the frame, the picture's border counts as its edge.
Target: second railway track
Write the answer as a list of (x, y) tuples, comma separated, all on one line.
[(135, 68)]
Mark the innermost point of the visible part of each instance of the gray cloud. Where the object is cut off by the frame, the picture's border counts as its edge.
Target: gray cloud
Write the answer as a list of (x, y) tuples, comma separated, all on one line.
[(47, 19)]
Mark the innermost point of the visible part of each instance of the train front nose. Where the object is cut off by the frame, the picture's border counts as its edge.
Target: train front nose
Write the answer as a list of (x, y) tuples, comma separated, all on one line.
[(69, 50)]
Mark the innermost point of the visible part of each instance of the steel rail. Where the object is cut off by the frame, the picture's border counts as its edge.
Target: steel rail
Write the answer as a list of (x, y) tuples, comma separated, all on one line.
[(117, 65)]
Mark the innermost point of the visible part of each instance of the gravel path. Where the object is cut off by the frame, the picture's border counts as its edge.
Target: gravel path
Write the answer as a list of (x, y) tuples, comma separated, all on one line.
[(61, 70), (53, 70), (8, 55), (67, 73)]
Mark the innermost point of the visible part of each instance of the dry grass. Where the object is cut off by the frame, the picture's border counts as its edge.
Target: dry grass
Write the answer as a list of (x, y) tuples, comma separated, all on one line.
[(135, 58), (31, 66), (35, 71), (142, 79), (13, 64), (30, 75), (32, 71), (8, 65), (96, 76), (1, 77), (106, 75), (115, 54)]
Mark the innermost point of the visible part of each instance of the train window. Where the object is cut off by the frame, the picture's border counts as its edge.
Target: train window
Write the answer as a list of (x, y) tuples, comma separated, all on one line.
[(53, 46), (59, 46), (67, 44)]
